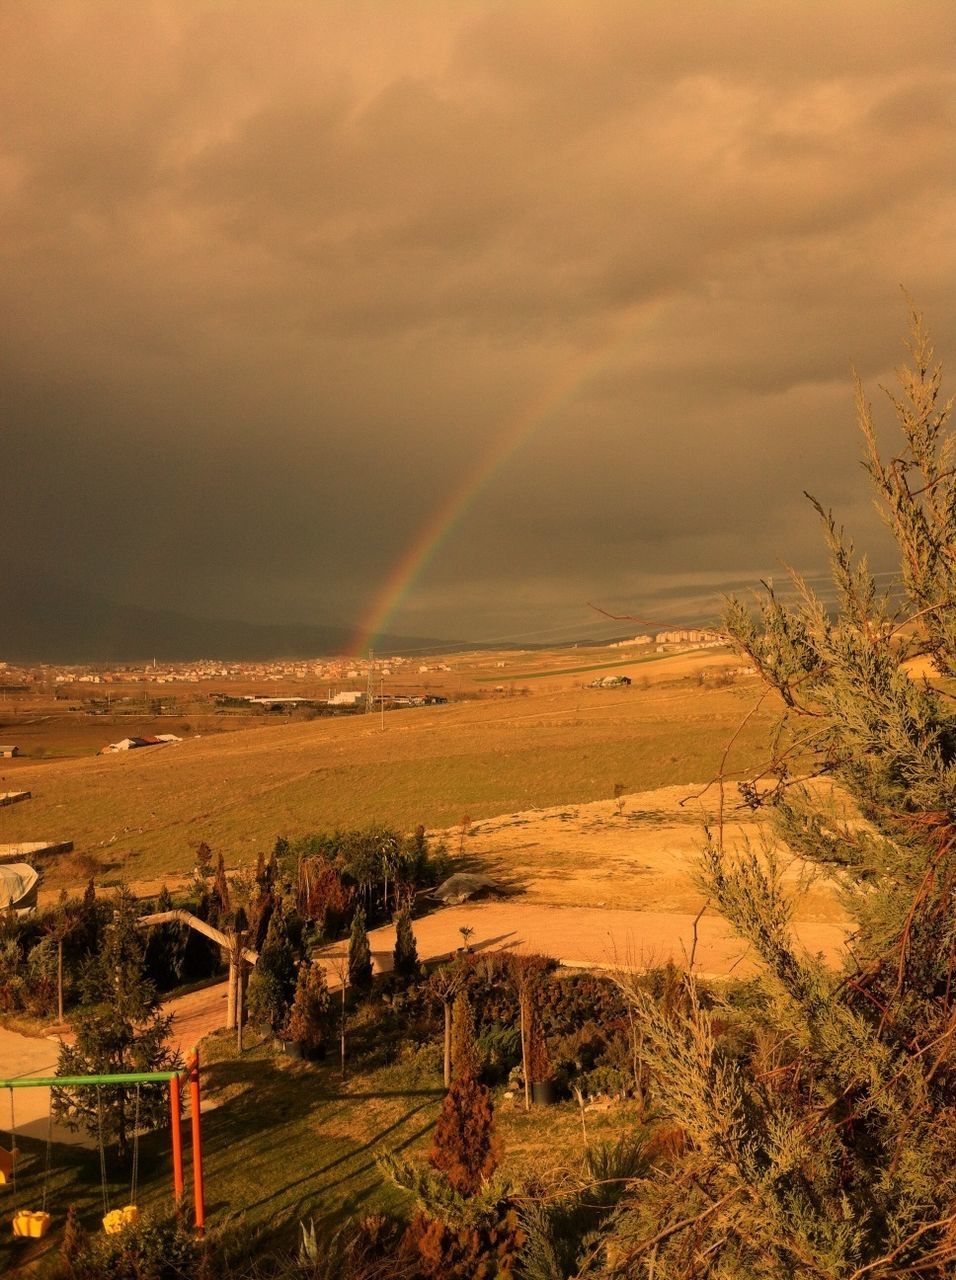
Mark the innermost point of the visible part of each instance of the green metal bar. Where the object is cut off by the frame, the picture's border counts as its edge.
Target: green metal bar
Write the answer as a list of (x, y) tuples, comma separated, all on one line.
[(78, 1082)]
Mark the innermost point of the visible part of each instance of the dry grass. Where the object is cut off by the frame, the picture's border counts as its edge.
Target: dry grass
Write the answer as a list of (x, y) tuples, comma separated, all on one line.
[(143, 813)]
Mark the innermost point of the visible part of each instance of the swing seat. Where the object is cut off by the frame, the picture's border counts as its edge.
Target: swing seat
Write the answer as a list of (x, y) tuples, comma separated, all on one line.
[(30, 1225), (7, 1161), (118, 1220)]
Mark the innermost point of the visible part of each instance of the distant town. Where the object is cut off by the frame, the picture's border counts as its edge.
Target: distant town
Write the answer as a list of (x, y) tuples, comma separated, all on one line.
[(15, 677)]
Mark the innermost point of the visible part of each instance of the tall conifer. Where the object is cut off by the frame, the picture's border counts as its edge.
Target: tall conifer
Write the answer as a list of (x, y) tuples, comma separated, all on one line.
[(360, 954)]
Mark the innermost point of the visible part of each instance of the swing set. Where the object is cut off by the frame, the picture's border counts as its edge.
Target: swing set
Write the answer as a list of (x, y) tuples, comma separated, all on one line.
[(34, 1223)]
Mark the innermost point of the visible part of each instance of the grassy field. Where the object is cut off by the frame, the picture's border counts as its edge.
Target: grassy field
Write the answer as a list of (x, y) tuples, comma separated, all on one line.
[(289, 1141), (58, 736), (552, 672), (143, 813)]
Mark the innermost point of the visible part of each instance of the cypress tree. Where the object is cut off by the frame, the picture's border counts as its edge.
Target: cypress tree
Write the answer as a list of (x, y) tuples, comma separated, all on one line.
[(405, 955), (273, 981), (465, 1148), (310, 1016), (823, 1146), (360, 954), (464, 1050)]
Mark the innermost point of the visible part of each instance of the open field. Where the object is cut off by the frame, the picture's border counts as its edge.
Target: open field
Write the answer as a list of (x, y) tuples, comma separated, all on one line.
[(57, 735), (143, 813), (77, 720)]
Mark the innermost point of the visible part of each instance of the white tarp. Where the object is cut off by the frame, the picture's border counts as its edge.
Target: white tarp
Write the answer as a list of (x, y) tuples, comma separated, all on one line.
[(17, 884)]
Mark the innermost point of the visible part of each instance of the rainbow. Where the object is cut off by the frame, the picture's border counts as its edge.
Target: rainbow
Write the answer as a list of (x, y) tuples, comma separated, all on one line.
[(446, 517)]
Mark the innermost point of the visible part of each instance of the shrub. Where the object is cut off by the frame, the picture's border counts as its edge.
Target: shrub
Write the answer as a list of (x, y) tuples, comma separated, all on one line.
[(499, 1049), (273, 981), (151, 1249), (464, 1057), (486, 1250)]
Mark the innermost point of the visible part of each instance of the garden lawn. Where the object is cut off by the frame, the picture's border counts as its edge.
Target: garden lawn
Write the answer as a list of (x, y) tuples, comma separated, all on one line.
[(286, 1142)]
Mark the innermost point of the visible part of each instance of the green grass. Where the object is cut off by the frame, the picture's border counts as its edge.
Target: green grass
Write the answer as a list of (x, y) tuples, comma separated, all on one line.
[(289, 1141)]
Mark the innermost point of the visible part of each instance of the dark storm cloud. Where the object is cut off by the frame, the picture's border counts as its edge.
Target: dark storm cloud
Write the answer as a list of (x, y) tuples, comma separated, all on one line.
[(275, 278)]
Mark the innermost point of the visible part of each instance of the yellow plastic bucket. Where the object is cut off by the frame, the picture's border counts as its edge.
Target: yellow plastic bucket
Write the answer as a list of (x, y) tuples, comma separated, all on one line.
[(29, 1225), (118, 1219)]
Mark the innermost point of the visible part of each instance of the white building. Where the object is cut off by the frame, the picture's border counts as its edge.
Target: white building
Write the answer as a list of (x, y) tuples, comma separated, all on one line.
[(348, 698)]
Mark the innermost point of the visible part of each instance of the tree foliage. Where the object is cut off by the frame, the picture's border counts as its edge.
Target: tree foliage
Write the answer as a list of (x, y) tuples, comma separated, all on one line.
[(824, 1147), (310, 1016), (464, 1051), (465, 1148), (405, 955), (360, 953), (119, 1027), (272, 983)]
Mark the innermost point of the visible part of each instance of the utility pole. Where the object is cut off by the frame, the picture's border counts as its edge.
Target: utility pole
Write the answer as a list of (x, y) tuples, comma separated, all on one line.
[(382, 701), (369, 685)]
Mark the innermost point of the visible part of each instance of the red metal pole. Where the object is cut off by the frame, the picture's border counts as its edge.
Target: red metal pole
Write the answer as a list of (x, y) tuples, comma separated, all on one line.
[(175, 1126), (197, 1143)]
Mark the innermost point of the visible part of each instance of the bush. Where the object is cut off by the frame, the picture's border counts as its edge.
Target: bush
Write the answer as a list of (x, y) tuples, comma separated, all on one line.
[(273, 982), (486, 1250), (151, 1249), (499, 1049), (405, 956), (360, 954)]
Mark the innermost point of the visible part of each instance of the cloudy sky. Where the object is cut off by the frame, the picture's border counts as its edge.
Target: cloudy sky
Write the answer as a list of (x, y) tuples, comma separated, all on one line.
[(455, 316)]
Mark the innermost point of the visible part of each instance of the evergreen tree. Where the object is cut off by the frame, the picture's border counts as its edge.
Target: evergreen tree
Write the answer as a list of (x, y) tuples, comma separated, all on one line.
[(824, 1147), (405, 955), (464, 1050), (165, 948), (220, 905), (310, 1016), (273, 981), (119, 1027), (465, 1147), (263, 905), (360, 954)]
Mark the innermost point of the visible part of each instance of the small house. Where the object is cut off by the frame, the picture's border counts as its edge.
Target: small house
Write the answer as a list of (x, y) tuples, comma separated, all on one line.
[(8, 752)]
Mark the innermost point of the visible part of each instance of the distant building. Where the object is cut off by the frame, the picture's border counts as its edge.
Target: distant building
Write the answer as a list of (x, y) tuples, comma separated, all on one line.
[(133, 744), (7, 753), (687, 635), (348, 698)]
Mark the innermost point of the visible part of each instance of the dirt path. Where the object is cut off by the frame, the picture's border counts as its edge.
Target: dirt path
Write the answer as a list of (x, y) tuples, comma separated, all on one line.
[(581, 937)]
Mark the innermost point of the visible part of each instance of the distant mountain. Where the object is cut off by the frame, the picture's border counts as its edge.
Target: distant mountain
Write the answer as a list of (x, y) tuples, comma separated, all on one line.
[(63, 623)]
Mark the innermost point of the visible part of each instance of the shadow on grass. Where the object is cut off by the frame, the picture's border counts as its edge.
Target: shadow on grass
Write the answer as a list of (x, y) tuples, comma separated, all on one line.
[(348, 1175)]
